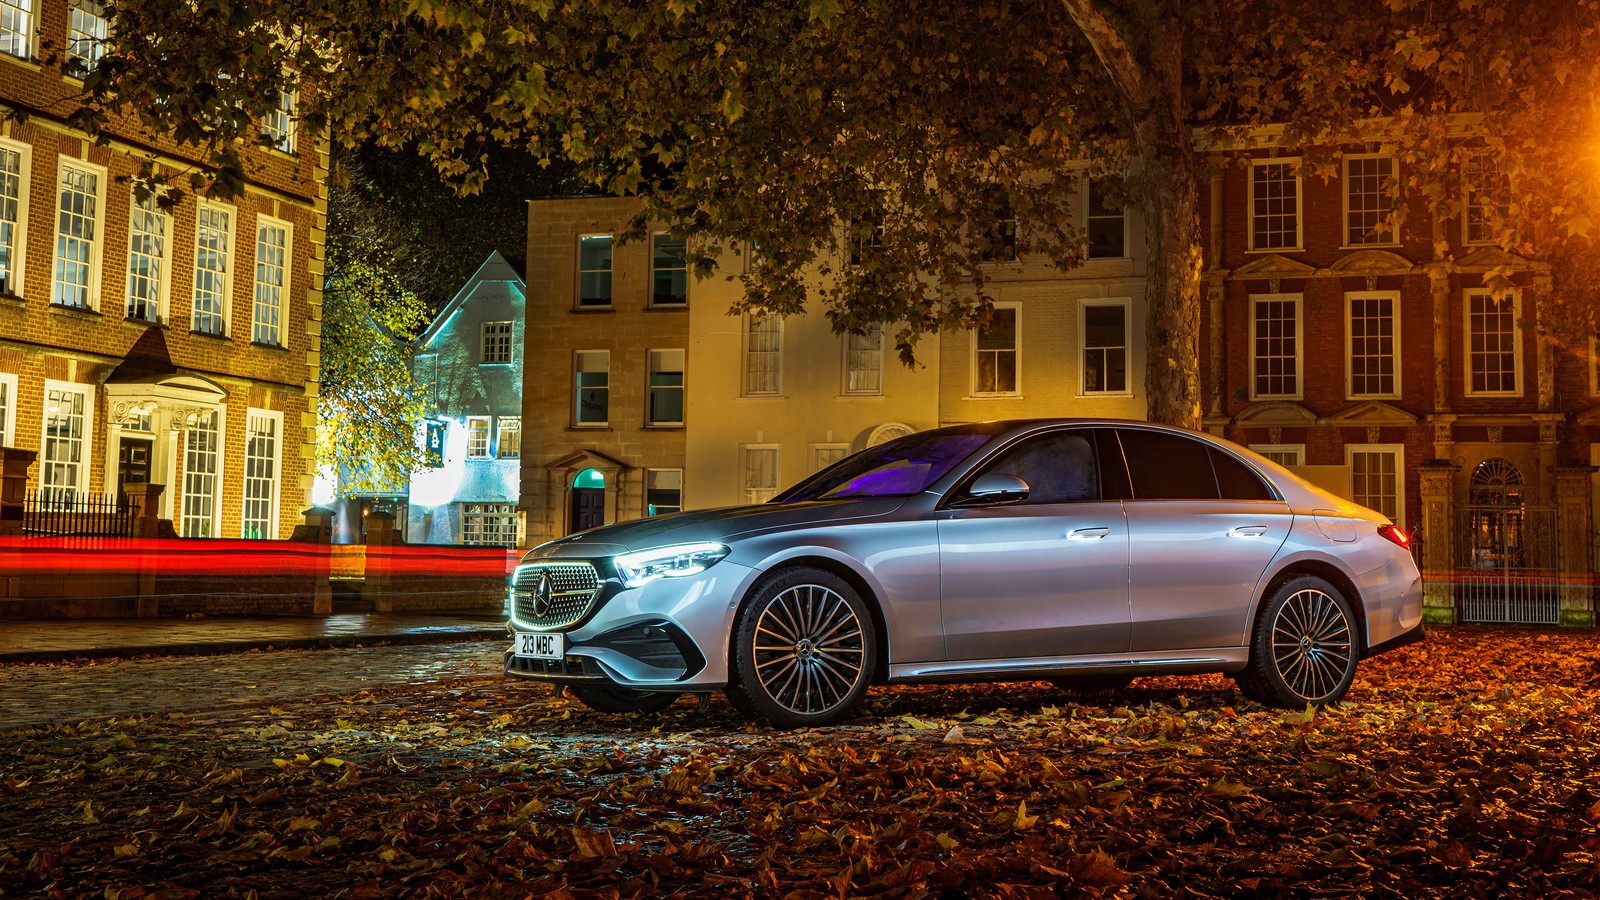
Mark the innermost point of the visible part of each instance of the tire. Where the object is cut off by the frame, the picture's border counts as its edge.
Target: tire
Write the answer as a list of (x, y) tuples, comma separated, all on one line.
[(1303, 648), (602, 698), (816, 652), (1092, 684)]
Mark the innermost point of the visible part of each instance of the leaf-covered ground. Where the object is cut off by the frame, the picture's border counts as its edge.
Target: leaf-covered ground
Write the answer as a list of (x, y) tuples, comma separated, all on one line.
[(1465, 766)]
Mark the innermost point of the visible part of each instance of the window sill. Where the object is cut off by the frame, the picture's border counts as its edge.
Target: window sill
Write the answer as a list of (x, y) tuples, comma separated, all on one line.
[(10, 299), (1351, 248), (1277, 398), (594, 309), (861, 395), (210, 335), (663, 426), (264, 346), (763, 397), (1277, 250), (666, 307), (1104, 395), (145, 323), (1497, 395), (28, 63), (85, 312), (992, 397), (596, 426)]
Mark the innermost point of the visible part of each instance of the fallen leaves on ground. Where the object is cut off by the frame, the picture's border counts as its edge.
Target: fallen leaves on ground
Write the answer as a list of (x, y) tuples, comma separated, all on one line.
[(1464, 766)]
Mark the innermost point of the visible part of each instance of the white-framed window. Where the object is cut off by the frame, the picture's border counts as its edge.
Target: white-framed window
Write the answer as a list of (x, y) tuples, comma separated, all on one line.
[(1367, 202), (825, 455), (864, 234), (1289, 455), (594, 271), (763, 355), (1275, 347), (1485, 199), (663, 491), (669, 270), (148, 225), (212, 262), (86, 35), (67, 436), (495, 343), (995, 354), (202, 459), (1372, 360), (508, 437), (1494, 344), (1275, 204), (863, 362), (15, 169), (664, 405), (1376, 481), (489, 524), (591, 386), (1104, 327), (263, 467), (272, 268), (1105, 222), (77, 236), (16, 27), (758, 471), (8, 409), (477, 437), (280, 126)]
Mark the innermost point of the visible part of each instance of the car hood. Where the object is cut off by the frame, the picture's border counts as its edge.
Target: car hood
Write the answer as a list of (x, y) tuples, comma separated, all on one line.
[(718, 525)]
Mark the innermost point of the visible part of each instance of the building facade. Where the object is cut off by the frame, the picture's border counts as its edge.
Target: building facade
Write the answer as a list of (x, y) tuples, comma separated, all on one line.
[(142, 342)]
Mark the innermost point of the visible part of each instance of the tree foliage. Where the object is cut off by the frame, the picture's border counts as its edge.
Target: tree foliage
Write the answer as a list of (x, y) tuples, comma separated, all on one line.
[(921, 126)]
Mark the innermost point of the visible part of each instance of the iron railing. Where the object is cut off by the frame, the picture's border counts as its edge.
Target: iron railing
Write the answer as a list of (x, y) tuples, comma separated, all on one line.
[(79, 514)]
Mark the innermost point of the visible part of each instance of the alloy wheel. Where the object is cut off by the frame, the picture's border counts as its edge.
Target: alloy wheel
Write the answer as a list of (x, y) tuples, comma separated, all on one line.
[(808, 649), (1312, 644)]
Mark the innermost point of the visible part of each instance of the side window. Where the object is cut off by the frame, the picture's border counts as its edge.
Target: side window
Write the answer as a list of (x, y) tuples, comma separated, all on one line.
[(1167, 466), (1237, 481), (1058, 467)]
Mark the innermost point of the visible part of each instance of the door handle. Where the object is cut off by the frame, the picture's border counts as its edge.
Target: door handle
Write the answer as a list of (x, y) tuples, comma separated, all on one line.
[(1087, 534), (1247, 531)]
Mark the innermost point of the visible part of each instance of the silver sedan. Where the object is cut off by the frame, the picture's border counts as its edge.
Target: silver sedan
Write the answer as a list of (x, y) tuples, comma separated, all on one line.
[(1085, 552)]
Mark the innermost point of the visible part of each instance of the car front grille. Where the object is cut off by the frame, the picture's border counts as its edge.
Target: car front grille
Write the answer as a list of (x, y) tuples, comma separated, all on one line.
[(573, 589)]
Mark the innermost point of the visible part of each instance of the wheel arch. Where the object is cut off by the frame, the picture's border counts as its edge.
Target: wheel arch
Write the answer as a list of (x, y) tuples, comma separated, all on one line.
[(1331, 574), (880, 669)]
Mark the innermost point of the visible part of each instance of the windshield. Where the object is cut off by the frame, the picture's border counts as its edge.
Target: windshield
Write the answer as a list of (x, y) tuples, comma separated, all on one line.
[(899, 468)]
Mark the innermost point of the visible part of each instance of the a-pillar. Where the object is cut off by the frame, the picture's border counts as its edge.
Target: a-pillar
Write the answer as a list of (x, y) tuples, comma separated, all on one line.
[(1572, 519), (146, 502), (378, 587), (1437, 484)]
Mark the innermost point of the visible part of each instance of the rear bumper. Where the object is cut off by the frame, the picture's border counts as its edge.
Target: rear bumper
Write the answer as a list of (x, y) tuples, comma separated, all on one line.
[(1400, 640)]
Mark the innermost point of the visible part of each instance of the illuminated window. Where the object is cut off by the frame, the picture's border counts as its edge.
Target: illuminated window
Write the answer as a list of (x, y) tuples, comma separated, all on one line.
[(666, 388), (78, 227), (594, 271), (1374, 335), (994, 354), (86, 36), (1274, 204), (508, 438), (1275, 347), (663, 491), (64, 456), (279, 127), (16, 27), (212, 261), (763, 355), (489, 524), (496, 343), (200, 465), (477, 437), (759, 468), (1366, 200), (669, 271), (591, 383), (13, 201), (1494, 344), (1375, 480), (1104, 326), (261, 467), (863, 362), (272, 254), (147, 259)]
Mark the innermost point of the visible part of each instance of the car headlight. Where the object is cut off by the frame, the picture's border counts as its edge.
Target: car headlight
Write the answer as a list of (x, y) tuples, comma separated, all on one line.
[(639, 569)]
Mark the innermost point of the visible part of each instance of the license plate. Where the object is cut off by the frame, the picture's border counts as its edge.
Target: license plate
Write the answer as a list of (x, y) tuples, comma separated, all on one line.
[(540, 646)]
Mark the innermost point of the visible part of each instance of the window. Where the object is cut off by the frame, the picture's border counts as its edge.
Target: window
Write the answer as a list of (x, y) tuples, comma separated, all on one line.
[(279, 127), (211, 263), (86, 36), (994, 353), (863, 362), (1173, 467), (13, 208), (1375, 477), (763, 355), (1104, 326), (1289, 455), (758, 466), (825, 455), (1486, 199), (1374, 336), (591, 387), (8, 409), (1275, 204), (272, 254), (16, 27), (1058, 468), (1494, 344), (666, 388), (489, 524), (200, 459), (865, 233), (508, 438), (669, 271), (147, 259), (1275, 347), (78, 218), (477, 437), (1000, 243), (261, 467), (496, 343), (663, 491), (63, 460), (594, 271), (1105, 222), (1366, 200)]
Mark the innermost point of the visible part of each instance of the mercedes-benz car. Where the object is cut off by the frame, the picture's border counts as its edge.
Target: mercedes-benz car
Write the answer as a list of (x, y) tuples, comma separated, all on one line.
[(1085, 552)]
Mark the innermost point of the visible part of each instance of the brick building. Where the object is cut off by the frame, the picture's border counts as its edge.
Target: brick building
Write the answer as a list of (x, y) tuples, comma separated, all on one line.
[(174, 346)]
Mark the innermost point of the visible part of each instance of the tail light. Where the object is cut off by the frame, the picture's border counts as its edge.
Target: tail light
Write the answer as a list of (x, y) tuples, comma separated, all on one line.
[(1396, 535)]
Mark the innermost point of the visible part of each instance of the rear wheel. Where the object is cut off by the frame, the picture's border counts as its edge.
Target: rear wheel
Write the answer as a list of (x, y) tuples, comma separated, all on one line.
[(1303, 649), (606, 699), (804, 650)]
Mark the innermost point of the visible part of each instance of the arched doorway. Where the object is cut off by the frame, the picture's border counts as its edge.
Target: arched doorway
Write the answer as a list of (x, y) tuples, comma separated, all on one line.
[(1507, 568), (588, 500)]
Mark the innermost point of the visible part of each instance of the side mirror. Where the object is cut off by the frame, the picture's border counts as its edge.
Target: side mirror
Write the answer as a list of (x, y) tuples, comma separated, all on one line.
[(993, 489)]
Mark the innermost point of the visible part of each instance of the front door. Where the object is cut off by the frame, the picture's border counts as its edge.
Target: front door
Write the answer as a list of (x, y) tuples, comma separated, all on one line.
[(133, 462), (588, 508)]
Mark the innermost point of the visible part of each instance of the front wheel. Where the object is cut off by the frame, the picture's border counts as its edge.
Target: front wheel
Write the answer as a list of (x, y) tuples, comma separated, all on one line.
[(804, 649), (602, 698), (1303, 649)]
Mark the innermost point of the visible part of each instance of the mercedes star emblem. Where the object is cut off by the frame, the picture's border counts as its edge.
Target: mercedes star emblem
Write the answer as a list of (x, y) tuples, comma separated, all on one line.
[(543, 596)]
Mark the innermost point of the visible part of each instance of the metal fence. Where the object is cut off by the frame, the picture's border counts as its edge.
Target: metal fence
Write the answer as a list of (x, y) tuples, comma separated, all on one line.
[(79, 514), (1508, 566)]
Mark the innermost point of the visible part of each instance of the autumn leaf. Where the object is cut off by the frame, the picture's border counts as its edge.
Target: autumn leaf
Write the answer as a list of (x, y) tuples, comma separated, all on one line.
[(593, 844)]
